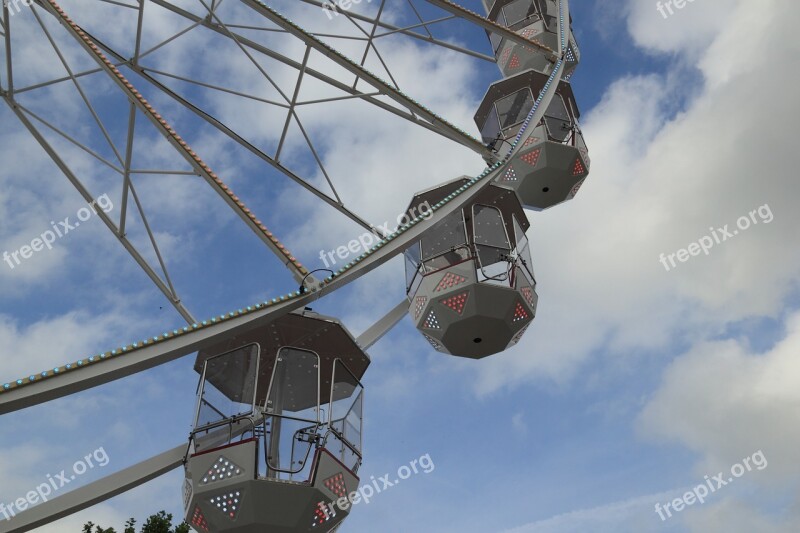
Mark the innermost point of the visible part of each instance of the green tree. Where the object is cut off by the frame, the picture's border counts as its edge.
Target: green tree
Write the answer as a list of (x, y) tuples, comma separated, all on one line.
[(160, 522)]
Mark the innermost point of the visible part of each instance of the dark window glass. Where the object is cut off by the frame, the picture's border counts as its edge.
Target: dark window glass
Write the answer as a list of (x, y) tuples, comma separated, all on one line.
[(444, 236), (518, 11), (496, 41), (491, 244), (514, 108), (559, 124), (491, 129), (229, 388)]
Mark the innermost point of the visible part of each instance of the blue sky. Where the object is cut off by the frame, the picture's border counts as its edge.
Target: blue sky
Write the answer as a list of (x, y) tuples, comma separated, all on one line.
[(632, 384)]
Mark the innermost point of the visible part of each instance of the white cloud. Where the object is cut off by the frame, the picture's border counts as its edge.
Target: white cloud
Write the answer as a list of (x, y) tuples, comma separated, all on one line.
[(659, 182), (628, 516), (736, 515), (726, 402), (687, 31)]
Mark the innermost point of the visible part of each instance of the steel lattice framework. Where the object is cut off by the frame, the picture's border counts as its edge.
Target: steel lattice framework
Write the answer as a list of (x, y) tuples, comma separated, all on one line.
[(110, 68)]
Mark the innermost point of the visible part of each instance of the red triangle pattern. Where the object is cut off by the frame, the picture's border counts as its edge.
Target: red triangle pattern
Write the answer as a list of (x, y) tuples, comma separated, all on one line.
[(199, 520), (578, 169), (323, 513), (504, 55), (420, 305), (527, 292), (530, 141), (457, 302), (532, 157), (450, 280), (520, 313), (336, 485)]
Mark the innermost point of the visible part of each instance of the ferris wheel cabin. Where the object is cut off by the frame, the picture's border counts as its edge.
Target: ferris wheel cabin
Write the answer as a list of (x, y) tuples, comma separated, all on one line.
[(469, 280), (536, 20), (554, 160), (276, 444)]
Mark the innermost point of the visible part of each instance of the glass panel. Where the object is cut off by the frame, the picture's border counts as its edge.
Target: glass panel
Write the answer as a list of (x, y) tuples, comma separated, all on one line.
[(295, 383), (489, 228), (514, 108), (494, 266), (444, 236), (294, 403), (289, 443), (491, 244), (579, 142), (491, 129), (416, 282), (523, 253), (559, 124), (343, 452), (552, 23), (229, 386), (447, 259), (412, 263), (346, 417), (496, 41), (518, 11), (346, 405)]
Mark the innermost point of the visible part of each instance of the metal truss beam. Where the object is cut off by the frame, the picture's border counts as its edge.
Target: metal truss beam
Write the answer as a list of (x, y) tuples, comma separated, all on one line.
[(201, 168), (249, 43), (449, 130), (84, 192), (122, 481), (149, 354), (392, 29), (145, 74), (96, 492), (383, 326)]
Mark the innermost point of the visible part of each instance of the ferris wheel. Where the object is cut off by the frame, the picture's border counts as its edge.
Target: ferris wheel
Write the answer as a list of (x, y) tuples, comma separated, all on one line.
[(277, 442)]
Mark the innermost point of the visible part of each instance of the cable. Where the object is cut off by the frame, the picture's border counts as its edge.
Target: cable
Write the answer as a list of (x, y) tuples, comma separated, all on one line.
[(302, 288)]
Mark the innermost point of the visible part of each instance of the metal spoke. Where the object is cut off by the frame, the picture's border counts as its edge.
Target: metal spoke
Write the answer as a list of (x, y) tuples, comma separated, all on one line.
[(127, 178), (293, 103), (120, 4), (407, 32), (84, 192), (297, 65), (68, 138), (78, 87), (233, 37), (83, 38), (9, 70), (447, 129), (243, 142), (216, 87), (152, 238), (419, 17)]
